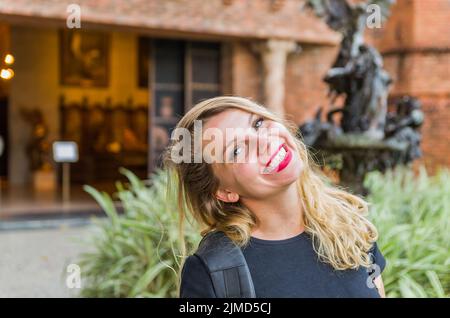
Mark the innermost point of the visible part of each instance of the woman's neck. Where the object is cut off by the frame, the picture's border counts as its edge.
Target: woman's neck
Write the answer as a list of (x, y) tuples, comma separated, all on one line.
[(279, 216)]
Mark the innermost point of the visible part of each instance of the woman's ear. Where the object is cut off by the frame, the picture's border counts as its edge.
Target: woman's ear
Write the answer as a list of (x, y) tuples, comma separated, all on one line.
[(227, 196)]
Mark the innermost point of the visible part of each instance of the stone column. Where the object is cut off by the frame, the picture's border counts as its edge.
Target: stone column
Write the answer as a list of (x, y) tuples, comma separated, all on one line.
[(274, 55)]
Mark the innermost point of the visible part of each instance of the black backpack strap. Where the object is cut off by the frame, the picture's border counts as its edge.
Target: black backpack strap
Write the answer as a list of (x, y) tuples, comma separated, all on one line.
[(226, 265)]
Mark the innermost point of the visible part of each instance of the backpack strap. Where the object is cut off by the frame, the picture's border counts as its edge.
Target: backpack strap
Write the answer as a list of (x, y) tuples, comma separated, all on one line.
[(226, 266)]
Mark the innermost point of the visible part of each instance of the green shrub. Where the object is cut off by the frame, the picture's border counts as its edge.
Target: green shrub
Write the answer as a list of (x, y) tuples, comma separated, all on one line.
[(412, 215), (137, 253)]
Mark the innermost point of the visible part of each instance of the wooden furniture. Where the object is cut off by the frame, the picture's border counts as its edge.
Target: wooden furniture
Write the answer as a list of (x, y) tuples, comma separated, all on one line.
[(108, 137)]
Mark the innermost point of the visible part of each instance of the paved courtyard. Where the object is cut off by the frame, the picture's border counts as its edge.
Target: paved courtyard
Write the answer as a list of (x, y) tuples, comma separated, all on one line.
[(33, 263)]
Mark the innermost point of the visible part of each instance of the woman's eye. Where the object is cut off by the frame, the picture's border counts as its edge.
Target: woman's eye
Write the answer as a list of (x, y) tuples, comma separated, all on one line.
[(237, 151), (258, 122)]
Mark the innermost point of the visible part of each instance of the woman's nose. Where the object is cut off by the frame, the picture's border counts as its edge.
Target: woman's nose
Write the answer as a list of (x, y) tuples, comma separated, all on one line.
[(265, 148)]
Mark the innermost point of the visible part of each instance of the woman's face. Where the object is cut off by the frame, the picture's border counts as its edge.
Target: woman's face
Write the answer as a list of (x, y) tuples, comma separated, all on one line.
[(260, 157)]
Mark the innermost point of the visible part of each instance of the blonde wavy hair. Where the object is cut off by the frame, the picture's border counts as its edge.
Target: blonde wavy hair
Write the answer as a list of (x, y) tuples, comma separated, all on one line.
[(334, 218)]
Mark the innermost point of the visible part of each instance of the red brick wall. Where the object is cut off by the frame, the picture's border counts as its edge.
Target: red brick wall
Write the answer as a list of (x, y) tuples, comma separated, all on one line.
[(430, 74), (436, 133), (398, 30), (247, 72), (305, 89), (416, 46), (415, 42), (432, 23), (237, 18)]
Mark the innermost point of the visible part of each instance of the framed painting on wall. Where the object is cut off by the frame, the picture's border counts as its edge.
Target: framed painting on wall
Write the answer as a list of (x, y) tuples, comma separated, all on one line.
[(84, 57)]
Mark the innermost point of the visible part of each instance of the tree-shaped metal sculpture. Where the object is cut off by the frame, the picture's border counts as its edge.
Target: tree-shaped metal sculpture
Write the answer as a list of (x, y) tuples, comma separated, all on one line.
[(366, 137)]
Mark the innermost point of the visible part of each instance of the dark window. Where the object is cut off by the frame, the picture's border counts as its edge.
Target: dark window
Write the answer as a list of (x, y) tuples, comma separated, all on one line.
[(205, 67), (169, 62), (181, 75)]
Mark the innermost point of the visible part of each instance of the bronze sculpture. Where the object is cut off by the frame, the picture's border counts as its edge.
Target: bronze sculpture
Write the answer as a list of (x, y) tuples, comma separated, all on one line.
[(367, 137)]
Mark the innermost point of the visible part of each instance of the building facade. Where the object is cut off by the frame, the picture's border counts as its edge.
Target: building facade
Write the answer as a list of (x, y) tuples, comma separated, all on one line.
[(154, 59)]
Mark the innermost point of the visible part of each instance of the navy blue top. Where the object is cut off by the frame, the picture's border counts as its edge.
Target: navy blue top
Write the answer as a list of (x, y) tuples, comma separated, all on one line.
[(289, 268)]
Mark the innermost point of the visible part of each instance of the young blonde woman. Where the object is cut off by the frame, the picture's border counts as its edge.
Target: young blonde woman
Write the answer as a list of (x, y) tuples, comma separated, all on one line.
[(299, 235)]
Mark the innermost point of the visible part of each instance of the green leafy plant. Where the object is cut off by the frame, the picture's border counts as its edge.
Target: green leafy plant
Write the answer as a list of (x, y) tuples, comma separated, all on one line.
[(137, 253), (412, 215)]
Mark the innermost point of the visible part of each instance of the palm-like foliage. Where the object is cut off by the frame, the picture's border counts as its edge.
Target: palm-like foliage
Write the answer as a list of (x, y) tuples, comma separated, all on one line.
[(412, 215), (136, 254)]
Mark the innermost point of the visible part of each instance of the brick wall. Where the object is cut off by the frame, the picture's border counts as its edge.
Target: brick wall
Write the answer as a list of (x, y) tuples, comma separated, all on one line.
[(416, 46), (432, 23), (236, 18), (247, 72), (305, 89), (436, 133)]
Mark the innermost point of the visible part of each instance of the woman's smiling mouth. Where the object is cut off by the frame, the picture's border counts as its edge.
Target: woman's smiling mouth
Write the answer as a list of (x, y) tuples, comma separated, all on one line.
[(279, 160)]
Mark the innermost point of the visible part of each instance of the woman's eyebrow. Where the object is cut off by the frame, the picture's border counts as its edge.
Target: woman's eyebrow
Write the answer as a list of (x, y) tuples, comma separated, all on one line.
[(250, 119), (232, 141)]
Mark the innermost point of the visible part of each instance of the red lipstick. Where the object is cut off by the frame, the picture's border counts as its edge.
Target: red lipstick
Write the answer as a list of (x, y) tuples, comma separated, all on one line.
[(283, 164), (274, 154)]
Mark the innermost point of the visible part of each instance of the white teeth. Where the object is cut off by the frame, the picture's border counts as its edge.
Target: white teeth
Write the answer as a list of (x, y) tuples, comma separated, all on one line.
[(279, 157)]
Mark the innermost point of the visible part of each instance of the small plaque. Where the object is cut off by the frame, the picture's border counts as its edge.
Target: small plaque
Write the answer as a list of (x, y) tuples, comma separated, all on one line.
[(65, 151)]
